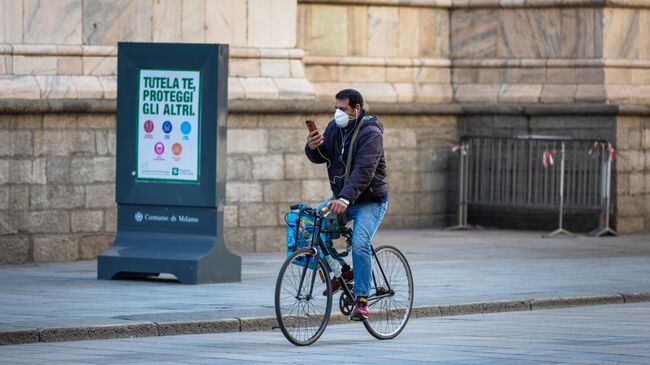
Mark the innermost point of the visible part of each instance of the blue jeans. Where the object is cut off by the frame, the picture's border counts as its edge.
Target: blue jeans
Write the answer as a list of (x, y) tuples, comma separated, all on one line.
[(367, 218)]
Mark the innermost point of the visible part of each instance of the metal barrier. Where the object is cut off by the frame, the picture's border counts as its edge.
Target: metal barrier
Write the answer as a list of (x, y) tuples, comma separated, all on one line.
[(521, 172)]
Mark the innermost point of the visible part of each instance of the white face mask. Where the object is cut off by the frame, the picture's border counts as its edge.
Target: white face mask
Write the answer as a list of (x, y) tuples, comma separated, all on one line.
[(342, 118)]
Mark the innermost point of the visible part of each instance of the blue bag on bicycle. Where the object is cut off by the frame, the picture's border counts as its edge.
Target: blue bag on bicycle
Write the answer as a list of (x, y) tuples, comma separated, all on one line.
[(300, 231)]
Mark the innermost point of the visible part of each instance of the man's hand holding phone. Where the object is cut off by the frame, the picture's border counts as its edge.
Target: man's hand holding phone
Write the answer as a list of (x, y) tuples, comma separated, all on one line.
[(314, 139)]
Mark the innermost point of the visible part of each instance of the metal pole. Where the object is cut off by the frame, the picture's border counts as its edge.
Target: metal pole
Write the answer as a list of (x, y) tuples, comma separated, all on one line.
[(605, 229), (462, 194), (561, 229)]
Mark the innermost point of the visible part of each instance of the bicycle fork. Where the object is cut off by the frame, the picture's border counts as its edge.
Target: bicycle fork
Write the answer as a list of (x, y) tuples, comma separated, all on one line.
[(309, 294)]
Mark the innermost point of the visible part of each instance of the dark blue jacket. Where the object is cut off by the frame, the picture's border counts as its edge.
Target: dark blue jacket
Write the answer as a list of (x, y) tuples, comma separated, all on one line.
[(367, 178)]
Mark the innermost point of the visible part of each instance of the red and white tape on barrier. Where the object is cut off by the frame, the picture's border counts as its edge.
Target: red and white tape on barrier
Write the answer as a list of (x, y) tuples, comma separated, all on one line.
[(610, 149), (459, 147), (547, 157)]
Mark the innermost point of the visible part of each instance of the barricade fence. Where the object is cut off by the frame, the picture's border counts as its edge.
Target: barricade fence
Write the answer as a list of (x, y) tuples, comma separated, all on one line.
[(536, 172)]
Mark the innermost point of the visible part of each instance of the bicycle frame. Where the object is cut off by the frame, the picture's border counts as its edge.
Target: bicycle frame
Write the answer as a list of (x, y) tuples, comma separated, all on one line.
[(317, 245)]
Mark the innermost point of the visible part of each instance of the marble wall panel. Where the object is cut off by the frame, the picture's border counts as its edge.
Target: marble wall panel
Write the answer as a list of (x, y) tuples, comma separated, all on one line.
[(548, 33), (320, 73), (405, 92), (399, 74), (296, 68), (467, 75), (567, 40), (561, 75), (109, 86), (25, 65), (224, 22), (520, 75), (409, 27), (19, 87), (260, 23), (283, 14), (4, 67), (144, 28), (434, 93), (427, 33), (193, 26), (362, 73), (167, 20), (519, 33), (433, 33), (382, 31), (558, 94), (11, 21), (303, 27), (272, 23), (474, 33), (442, 36), (436, 75), (106, 22), (644, 34), (590, 32), (590, 75), (640, 76), (100, 65), (275, 68), (246, 67), (52, 22), (358, 28), (618, 75), (621, 33), (578, 28), (321, 39)]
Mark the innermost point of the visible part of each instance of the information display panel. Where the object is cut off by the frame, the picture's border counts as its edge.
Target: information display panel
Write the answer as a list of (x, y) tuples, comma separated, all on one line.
[(168, 127), (170, 186)]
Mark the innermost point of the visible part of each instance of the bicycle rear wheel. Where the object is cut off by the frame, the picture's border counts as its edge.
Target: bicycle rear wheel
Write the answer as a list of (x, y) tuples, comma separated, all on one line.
[(391, 297), (301, 308)]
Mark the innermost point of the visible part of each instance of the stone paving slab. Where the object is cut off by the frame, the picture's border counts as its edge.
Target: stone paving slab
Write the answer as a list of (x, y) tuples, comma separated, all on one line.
[(593, 335), (454, 273)]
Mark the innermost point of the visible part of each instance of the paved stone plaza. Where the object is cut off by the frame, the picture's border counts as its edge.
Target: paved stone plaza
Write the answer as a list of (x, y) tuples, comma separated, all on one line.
[(501, 270), (610, 334)]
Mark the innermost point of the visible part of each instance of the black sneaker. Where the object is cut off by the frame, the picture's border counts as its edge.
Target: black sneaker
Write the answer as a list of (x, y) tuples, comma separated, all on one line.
[(348, 276)]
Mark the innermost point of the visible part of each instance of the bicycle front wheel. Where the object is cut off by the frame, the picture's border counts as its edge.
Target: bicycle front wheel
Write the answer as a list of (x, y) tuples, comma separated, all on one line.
[(301, 308), (392, 300)]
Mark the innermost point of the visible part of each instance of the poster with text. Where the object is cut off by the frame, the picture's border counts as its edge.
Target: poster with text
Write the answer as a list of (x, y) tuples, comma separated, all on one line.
[(168, 125)]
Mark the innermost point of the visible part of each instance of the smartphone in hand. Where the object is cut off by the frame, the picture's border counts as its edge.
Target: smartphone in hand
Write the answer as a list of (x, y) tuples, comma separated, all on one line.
[(311, 125)]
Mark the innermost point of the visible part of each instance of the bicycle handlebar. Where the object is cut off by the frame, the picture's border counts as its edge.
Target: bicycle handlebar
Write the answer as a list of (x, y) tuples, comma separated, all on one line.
[(323, 212)]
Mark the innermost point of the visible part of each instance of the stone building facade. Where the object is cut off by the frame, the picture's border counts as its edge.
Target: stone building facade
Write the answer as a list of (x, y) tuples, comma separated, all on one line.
[(433, 70)]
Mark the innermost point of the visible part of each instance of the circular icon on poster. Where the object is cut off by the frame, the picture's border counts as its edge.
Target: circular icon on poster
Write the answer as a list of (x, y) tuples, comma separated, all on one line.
[(148, 126), (138, 216), (167, 126), (159, 148), (177, 149), (186, 127)]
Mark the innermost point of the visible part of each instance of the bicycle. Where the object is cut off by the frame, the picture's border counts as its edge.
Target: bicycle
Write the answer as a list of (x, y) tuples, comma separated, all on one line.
[(303, 310)]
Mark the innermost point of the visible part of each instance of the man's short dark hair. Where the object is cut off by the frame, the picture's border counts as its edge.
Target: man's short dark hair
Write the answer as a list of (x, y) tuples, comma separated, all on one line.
[(354, 97)]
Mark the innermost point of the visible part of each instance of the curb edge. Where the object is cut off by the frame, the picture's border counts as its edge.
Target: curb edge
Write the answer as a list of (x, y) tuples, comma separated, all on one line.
[(251, 324)]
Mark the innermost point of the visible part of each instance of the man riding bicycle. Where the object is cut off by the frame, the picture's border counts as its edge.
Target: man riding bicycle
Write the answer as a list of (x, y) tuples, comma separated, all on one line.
[(360, 191)]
